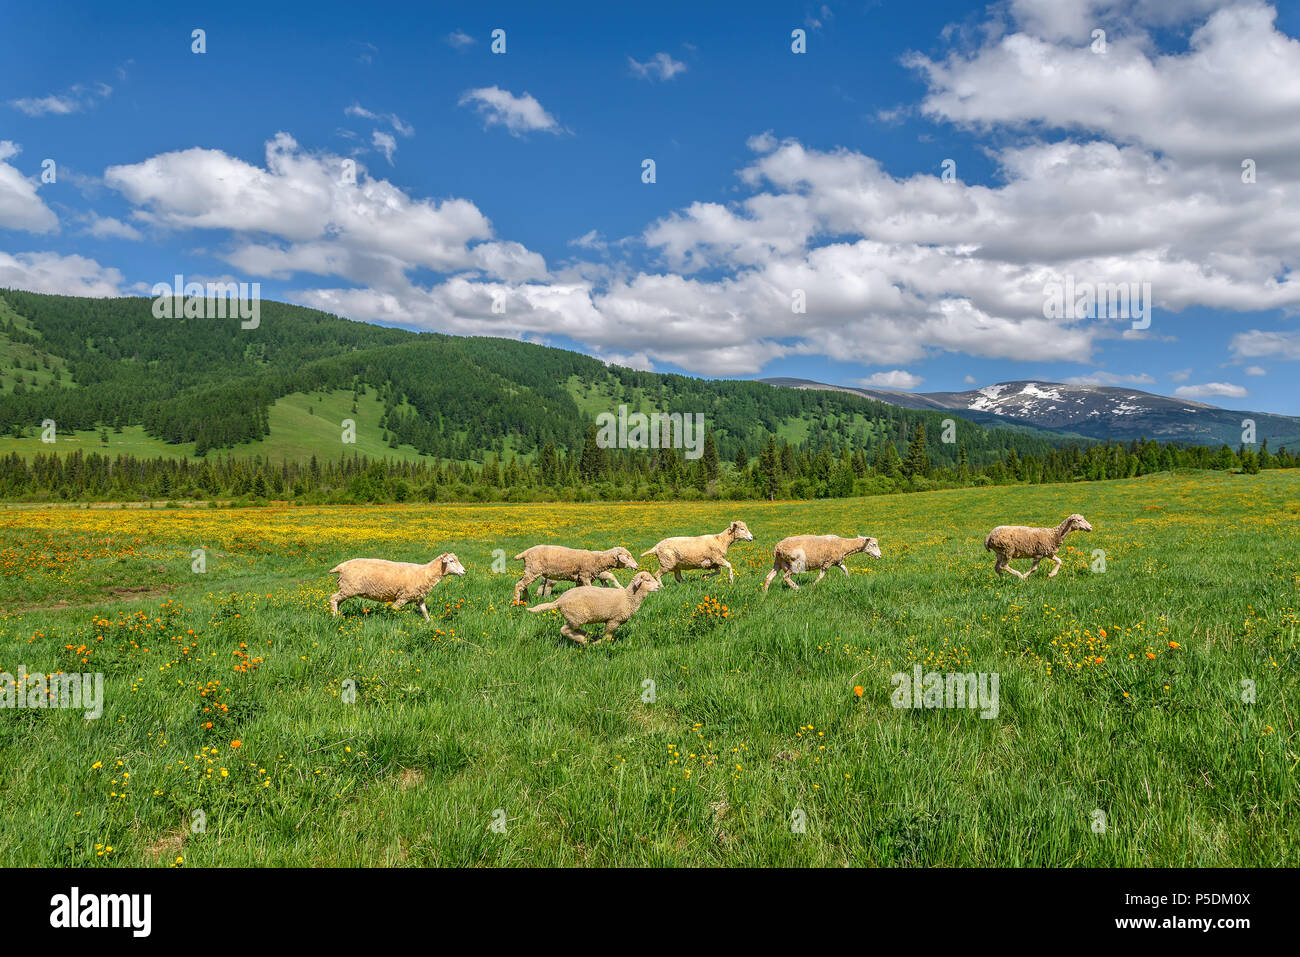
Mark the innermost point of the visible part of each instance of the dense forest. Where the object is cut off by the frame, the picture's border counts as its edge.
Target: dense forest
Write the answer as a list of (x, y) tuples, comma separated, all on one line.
[(778, 470)]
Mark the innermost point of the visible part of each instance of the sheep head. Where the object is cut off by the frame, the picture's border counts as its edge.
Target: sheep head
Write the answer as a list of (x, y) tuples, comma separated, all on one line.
[(624, 558), (740, 531), (643, 582), (450, 564), (869, 545), (1077, 522)]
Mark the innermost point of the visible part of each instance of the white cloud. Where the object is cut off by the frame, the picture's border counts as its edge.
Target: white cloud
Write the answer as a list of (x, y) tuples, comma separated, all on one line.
[(518, 114), (62, 275), (386, 143), (1258, 344), (591, 239), (1111, 378), (661, 66), (399, 126), (75, 100), (106, 227), (1211, 390), (314, 217), (460, 39), (896, 379), (1255, 370), (20, 206)]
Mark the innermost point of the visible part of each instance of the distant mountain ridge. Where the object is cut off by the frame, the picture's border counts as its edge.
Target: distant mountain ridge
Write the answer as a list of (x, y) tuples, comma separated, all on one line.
[(1093, 411)]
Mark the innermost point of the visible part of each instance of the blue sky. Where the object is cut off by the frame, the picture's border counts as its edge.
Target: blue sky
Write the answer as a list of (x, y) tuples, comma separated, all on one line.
[(516, 178)]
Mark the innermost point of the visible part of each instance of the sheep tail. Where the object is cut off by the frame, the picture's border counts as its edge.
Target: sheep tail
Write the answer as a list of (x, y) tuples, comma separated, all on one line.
[(337, 568), (547, 606), (520, 556), (644, 554)]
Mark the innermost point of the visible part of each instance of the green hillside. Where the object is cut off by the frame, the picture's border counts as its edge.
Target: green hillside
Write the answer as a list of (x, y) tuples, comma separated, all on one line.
[(116, 379)]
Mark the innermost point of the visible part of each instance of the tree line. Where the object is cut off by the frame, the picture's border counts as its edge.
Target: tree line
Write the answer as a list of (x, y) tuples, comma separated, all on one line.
[(777, 470)]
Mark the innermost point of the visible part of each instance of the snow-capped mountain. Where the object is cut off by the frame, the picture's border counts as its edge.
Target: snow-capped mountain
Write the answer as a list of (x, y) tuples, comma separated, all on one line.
[(1101, 412)]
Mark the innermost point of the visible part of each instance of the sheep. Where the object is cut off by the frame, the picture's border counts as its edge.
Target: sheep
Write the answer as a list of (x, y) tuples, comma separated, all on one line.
[(398, 582), (798, 553), (588, 604), (699, 551), (1021, 541), (552, 563)]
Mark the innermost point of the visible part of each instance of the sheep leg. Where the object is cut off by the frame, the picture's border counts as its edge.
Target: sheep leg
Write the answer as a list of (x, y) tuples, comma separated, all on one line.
[(1032, 568), (844, 569), (789, 581), (335, 599), (677, 574), (731, 572), (1056, 568), (424, 611), (544, 589), (609, 577), (820, 575), (576, 634), (609, 632), (522, 587), (770, 575)]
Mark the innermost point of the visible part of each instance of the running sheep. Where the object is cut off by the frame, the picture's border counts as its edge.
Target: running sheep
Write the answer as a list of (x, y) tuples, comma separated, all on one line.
[(552, 563), (1021, 541), (799, 553), (398, 582), (589, 604), (698, 551)]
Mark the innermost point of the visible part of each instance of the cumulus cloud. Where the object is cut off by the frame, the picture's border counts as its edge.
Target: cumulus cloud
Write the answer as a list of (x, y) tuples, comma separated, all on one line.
[(63, 275), (315, 213), (518, 114), (661, 66), (20, 206), (460, 39)]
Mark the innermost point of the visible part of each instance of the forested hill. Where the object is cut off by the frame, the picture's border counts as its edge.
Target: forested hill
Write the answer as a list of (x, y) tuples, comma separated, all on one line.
[(109, 363)]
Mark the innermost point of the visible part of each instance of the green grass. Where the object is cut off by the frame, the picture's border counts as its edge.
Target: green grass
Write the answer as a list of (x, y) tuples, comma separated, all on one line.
[(486, 713), (302, 425)]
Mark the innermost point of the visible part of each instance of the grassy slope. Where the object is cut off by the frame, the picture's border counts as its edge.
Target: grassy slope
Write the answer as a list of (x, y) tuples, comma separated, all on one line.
[(16, 358), (487, 709), (295, 434)]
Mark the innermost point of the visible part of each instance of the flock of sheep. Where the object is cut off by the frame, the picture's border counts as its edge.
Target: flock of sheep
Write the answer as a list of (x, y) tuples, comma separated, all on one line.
[(404, 582)]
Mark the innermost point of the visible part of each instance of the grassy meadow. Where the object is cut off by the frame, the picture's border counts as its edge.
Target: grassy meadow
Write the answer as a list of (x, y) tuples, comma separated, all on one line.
[(1122, 737)]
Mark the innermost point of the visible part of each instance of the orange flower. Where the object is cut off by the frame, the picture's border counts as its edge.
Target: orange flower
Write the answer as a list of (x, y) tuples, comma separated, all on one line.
[(1173, 644), (1102, 632), (1151, 654), (857, 690), (236, 743)]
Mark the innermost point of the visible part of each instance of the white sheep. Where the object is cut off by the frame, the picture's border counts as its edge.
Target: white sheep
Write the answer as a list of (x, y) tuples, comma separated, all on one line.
[(588, 604), (552, 563), (398, 582), (798, 553), (698, 551), (1022, 541)]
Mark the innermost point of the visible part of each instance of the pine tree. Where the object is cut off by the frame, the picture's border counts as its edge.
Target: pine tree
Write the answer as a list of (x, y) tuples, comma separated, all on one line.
[(917, 462)]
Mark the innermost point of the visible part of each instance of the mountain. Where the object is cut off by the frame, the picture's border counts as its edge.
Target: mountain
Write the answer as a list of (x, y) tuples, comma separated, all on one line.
[(116, 378), (1097, 412)]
